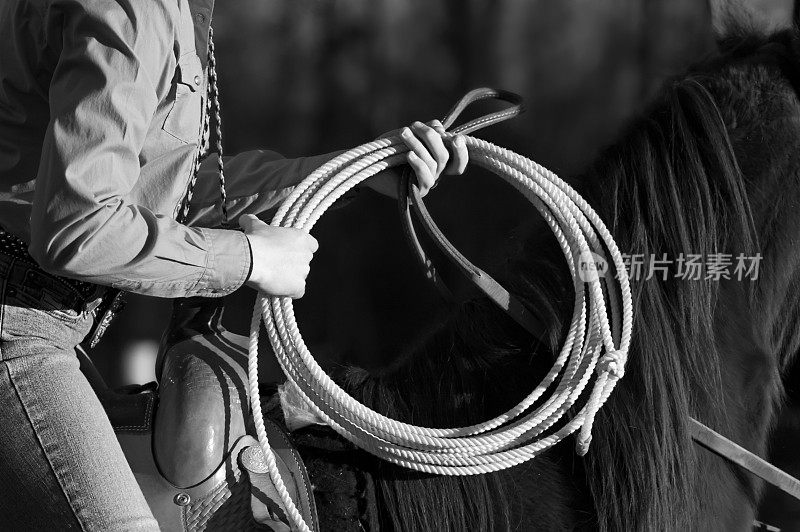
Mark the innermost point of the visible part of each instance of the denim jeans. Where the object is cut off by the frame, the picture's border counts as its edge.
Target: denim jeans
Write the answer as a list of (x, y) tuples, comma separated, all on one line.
[(61, 467)]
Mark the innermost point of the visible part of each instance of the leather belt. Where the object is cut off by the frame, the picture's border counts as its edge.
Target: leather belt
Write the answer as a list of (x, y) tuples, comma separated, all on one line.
[(14, 246), (104, 302)]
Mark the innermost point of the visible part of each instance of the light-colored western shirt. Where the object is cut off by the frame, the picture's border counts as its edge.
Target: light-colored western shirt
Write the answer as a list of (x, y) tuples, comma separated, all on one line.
[(100, 120)]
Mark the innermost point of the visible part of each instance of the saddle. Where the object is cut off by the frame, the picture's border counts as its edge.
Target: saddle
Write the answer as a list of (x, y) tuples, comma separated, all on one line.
[(190, 440)]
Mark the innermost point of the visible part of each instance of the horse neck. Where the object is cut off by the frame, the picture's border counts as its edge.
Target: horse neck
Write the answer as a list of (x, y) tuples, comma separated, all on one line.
[(775, 298), (766, 144), (753, 337), (683, 180)]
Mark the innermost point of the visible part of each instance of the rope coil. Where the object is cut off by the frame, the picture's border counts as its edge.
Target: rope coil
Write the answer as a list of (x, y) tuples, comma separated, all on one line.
[(597, 341)]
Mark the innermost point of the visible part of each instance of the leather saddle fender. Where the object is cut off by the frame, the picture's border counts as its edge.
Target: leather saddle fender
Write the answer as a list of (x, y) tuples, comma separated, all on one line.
[(190, 441)]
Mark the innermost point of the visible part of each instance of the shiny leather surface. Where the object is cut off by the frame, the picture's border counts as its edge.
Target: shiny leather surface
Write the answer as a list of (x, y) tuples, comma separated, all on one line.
[(201, 395), (202, 389)]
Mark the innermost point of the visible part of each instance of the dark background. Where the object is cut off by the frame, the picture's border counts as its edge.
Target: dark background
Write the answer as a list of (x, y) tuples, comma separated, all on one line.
[(304, 77)]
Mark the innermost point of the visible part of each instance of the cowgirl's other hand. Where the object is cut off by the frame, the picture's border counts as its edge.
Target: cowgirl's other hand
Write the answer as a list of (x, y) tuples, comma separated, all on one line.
[(430, 155)]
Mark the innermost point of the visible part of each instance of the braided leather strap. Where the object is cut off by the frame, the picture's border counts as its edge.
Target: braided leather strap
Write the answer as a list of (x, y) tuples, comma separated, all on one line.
[(211, 110)]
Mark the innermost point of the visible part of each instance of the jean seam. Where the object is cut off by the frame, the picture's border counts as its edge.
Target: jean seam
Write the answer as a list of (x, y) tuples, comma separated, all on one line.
[(3, 286), (42, 447)]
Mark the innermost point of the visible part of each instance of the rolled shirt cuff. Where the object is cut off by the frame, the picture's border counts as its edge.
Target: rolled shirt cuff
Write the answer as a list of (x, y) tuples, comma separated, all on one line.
[(228, 265)]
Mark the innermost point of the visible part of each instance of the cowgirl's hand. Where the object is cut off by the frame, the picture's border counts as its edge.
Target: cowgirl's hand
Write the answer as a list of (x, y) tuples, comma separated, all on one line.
[(281, 257), (430, 155)]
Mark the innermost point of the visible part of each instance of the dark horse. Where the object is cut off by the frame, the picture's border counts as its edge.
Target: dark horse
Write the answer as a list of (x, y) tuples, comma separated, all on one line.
[(710, 167)]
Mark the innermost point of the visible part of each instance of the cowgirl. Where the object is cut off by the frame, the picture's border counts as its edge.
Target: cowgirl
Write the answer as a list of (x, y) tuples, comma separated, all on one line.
[(102, 120)]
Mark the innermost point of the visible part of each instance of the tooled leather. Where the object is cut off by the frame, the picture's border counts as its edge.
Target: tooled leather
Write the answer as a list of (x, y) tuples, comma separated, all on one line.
[(300, 474), (297, 481)]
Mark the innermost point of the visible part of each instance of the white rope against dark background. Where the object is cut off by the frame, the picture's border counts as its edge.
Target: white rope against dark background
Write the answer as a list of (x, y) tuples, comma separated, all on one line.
[(597, 341)]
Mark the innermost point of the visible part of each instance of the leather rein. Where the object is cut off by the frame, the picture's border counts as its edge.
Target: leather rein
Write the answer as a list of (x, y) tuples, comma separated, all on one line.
[(410, 200)]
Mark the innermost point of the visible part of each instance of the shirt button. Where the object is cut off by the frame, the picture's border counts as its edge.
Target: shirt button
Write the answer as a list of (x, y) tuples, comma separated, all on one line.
[(201, 18), (197, 80)]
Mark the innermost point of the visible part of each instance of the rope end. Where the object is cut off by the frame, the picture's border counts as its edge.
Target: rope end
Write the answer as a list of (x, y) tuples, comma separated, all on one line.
[(296, 412), (582, 444)]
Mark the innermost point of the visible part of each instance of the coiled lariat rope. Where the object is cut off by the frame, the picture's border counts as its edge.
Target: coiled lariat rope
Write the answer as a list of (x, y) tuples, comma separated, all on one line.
[(597, 341)]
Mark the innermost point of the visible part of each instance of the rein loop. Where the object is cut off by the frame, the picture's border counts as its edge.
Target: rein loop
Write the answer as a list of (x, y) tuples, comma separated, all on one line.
[(592, 357)]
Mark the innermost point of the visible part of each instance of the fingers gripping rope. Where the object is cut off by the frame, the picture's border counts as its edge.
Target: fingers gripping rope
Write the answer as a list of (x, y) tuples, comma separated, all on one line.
[(597, 341)]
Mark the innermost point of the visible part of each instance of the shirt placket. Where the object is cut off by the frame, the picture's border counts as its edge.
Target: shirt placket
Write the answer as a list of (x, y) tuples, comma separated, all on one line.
[(200, 15), (201, 11)]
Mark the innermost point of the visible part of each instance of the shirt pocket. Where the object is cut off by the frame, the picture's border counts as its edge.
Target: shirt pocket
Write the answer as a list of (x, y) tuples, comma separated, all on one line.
[(185, 111)]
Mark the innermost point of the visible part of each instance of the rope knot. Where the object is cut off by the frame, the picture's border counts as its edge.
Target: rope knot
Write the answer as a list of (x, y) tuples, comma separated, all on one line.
[(613, 363)]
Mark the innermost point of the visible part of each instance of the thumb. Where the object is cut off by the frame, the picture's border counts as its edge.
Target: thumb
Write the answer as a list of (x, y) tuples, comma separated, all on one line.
[(249, 222)]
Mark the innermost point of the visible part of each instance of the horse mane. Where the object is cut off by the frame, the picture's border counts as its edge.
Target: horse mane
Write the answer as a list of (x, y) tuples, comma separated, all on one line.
[(674, 188), (670, 185)]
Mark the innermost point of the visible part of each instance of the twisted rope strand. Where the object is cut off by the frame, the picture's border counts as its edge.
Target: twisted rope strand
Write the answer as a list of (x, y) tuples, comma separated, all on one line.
[(592, 357)]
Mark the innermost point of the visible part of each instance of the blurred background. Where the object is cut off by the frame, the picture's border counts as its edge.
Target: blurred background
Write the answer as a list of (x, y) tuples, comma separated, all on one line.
[(304, 77)]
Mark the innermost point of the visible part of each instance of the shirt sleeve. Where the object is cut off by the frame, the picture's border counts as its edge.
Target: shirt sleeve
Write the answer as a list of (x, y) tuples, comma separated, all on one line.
[(256, 182), (103, 95)]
